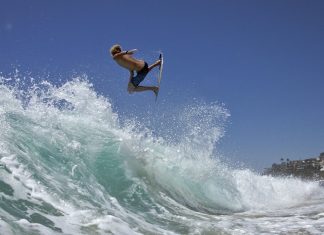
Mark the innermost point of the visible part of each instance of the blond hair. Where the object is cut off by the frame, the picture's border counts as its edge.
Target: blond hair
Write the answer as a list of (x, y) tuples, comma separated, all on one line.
[(115, 48)]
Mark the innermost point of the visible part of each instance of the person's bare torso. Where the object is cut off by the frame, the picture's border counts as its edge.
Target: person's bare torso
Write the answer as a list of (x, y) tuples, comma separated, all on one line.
[(128, 62)]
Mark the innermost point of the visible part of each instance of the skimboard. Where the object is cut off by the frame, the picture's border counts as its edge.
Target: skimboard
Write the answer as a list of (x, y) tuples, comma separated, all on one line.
[(160, 75)]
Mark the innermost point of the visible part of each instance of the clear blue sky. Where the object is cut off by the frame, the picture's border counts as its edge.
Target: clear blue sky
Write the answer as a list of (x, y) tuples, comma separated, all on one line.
[(262, 59)]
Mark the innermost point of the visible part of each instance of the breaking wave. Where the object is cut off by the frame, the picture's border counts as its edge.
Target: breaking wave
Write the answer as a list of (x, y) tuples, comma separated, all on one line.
[(70, 164)]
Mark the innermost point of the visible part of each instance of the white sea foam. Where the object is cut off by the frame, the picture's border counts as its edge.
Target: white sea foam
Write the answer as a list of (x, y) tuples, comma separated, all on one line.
[(69, 165)]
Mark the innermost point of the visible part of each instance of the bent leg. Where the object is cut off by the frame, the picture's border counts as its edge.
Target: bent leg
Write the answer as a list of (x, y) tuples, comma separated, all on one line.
[(146, 88), (131, 88)]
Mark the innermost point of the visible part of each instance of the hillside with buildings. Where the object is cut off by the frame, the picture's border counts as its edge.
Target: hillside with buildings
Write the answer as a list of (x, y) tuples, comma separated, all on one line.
[(311, 168)]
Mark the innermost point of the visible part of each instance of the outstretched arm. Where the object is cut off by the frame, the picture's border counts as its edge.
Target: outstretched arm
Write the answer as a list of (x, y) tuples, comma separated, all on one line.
[(130, 52)]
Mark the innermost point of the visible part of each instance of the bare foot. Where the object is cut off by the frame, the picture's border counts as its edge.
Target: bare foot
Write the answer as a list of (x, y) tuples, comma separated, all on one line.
[(158, 63), (156, 90)]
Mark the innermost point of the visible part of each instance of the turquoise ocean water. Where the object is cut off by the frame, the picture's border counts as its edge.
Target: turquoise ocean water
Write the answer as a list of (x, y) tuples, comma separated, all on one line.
[(69, 164)]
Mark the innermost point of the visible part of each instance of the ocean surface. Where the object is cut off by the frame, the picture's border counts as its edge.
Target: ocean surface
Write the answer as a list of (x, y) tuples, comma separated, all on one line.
[(70, 164)]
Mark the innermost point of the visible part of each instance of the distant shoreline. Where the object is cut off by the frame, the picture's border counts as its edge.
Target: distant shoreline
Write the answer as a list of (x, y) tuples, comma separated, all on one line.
[(309, 169)]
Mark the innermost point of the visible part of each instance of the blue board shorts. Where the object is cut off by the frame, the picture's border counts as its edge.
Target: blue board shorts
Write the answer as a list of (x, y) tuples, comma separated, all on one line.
[(140, 75)]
